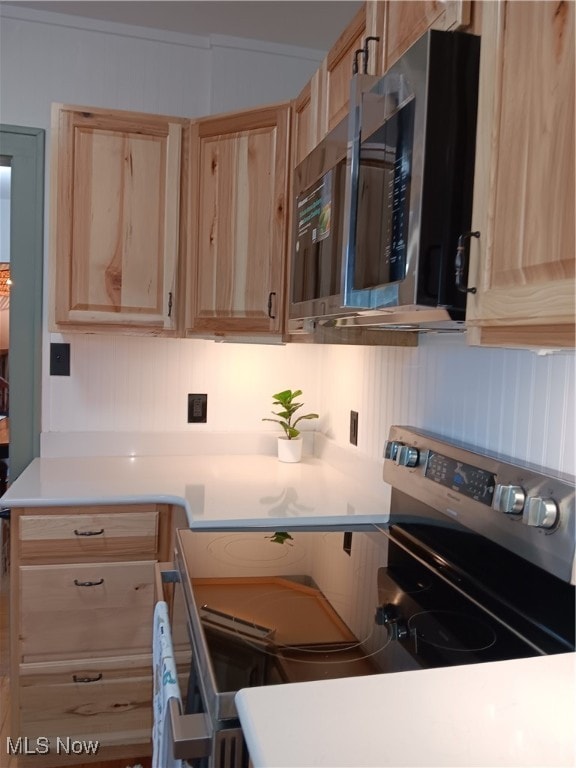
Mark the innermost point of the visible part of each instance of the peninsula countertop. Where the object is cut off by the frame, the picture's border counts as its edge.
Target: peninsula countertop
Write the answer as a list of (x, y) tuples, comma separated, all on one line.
[(215, 490), (500, 714)]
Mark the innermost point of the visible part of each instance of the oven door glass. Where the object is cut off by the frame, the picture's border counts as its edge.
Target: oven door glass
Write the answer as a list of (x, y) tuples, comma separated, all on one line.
[(294, 606)]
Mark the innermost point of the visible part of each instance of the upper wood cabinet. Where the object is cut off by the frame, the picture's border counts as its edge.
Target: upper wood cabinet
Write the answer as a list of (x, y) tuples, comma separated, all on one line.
[(336, 72), (407, 20), (523, 264), (306, 111), (115, 219), (237, 222), (397, 24)]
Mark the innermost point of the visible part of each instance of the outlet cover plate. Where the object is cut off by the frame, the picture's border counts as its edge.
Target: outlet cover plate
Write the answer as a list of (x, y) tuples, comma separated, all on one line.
[(197, 409), (354, 427)]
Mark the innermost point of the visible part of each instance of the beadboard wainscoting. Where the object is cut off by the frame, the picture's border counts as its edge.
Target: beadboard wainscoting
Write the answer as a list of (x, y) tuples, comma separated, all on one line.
[(513, 402)]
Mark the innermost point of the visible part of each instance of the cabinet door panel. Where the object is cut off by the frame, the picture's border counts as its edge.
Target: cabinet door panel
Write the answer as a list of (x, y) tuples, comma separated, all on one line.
[(105, 699), (407, 20), (534, 183), (241, 194), (79, 611), (76, 536), (523, 266), (116, 218), (338, 69)]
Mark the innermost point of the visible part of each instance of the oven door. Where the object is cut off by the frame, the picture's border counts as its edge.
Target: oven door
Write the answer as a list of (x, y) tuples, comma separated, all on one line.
[(189, 736)]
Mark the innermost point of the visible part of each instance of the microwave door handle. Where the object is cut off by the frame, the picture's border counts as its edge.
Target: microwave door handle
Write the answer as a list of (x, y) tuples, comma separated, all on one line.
[(351, 195), (461, 262)]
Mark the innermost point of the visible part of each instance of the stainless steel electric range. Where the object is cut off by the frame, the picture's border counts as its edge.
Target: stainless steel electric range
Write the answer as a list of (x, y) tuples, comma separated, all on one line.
[(475, 564)]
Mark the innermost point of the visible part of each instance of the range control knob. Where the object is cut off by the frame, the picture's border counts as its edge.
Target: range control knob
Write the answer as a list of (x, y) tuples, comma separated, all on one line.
[(389, 615), (540, 513), (509, 499), (407, 456), (391, 449)]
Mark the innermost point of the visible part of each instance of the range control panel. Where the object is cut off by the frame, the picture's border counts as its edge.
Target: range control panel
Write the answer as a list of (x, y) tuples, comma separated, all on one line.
[(463, 478), (529, 510)]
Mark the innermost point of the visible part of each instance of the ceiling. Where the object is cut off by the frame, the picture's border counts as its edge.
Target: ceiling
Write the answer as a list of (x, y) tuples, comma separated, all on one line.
[(306, 23)]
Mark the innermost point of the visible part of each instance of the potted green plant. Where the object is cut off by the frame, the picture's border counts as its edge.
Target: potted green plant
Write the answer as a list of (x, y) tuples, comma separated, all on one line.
[(290, 445)]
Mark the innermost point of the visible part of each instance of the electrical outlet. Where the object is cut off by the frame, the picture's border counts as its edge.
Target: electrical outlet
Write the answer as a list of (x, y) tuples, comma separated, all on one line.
[(354, 427), (197, 409), (347, 543), (59, 359)]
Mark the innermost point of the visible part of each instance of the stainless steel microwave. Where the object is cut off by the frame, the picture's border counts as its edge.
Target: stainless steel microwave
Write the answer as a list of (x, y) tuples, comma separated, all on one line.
[(383, 204)]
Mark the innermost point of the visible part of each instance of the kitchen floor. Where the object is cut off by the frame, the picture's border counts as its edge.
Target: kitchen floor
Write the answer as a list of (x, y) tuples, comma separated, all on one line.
[(8, 761)]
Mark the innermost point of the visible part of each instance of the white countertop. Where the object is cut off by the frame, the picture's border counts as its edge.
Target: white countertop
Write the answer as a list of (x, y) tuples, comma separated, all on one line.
[(506, 713), (216, 490)]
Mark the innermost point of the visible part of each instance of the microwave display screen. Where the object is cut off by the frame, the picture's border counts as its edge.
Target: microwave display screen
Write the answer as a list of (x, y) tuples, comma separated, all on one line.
[(384, 176), (316, 267)]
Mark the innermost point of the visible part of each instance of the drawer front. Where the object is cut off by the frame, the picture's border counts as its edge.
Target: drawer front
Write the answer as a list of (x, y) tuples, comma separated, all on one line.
[(105, 700), (83, 610), (98, 534)]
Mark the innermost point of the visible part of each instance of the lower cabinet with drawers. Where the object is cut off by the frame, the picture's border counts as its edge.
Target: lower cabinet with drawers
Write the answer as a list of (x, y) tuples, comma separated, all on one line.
[(82, 603)]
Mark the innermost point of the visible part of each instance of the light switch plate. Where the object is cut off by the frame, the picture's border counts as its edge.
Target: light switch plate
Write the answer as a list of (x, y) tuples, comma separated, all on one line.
[(59, 359)]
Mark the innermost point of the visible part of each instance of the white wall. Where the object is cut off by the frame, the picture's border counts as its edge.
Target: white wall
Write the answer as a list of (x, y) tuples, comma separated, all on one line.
[(513, 402), (120, 383)]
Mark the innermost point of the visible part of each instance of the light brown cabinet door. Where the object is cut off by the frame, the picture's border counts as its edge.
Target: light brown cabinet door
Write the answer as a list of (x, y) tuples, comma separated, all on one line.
[(80, 611), (407, 20), (104, 699), (306, 112), (238, 222), (115, 218), (523, 265), (337, 70), (77, 537)]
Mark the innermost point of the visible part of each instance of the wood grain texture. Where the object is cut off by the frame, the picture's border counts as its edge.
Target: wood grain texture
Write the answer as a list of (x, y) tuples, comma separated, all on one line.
[(116, 217), (302, 119), (337, 71), (62, 620), (73, 537), (240, 212), (114, 703), (524, 200), (102, 632), (407, 20)]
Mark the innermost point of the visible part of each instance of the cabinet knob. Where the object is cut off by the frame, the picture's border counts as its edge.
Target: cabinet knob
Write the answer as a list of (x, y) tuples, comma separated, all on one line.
[(88, 533), (78, 679), (88, 583), (271, 296)]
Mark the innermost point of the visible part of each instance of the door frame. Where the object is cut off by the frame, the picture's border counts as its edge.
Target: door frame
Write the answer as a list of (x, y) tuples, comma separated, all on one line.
[(25, 148)]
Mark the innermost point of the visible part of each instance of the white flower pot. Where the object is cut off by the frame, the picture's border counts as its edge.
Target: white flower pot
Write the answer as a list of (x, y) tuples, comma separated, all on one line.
[(290, 450)]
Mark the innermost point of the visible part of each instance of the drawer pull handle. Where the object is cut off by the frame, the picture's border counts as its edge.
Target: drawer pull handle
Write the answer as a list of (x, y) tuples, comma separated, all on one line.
[(88, 583), (89, 533), (78, 679)]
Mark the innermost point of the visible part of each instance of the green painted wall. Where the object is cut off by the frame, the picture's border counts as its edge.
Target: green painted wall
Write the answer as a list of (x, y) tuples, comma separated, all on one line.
[(25, 148)]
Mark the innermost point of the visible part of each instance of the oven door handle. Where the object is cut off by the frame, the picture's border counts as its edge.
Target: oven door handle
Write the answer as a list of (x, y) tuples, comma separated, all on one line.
[(164, 574), (191, 735)]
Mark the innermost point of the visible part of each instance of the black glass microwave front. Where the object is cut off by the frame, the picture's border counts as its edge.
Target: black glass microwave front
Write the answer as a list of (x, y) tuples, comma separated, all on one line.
[(379, 227)]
